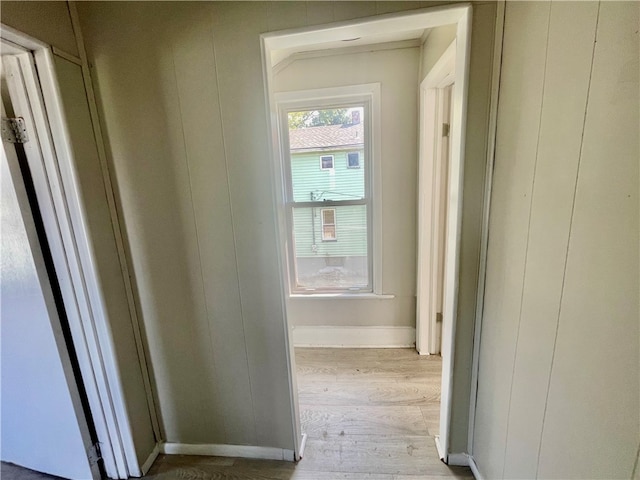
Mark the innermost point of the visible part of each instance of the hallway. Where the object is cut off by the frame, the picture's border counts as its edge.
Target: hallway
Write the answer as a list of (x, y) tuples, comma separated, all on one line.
[(369, 414)]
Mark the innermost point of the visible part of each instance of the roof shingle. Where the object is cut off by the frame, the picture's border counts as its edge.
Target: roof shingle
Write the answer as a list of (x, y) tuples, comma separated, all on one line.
[(326, 136)]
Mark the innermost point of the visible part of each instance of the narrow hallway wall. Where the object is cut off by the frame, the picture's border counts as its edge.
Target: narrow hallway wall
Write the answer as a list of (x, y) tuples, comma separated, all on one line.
[(558, 393)]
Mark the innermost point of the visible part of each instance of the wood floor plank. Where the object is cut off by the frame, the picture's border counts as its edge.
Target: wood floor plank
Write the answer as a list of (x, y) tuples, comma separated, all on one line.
[(327, 421), (431, 415), (396, 454), (460, 473), (371, 393)]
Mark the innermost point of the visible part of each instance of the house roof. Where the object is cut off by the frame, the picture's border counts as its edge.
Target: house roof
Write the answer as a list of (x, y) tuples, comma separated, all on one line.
[(326, 136)]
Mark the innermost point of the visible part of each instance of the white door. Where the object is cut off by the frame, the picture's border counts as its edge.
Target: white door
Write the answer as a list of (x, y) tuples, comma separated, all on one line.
[(44, 427)]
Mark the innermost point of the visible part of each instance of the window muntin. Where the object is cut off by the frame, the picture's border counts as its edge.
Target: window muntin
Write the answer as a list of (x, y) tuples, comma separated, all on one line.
[(330, 207)]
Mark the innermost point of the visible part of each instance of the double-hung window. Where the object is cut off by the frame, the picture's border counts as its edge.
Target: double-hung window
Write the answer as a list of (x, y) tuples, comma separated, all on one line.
[(328, 188)]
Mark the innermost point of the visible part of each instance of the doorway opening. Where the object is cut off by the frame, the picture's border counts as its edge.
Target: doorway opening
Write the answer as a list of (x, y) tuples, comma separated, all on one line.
[(353, 282)]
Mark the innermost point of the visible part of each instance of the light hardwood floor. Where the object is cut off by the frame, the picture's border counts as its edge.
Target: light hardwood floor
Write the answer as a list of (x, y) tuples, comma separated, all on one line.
[(370, 414)]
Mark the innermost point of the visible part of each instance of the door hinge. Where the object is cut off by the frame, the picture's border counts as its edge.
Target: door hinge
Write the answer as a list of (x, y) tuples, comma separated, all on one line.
[(93, 454), (445, 129), (14, 130)]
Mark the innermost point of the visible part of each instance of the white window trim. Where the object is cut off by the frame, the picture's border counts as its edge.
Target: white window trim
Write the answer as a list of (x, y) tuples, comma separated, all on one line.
[(333, 162), (330, 97)]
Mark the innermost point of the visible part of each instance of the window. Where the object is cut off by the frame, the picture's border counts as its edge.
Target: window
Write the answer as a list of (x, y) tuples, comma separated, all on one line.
[(328, 224), (326, 162), (353, 160), (330, 216)]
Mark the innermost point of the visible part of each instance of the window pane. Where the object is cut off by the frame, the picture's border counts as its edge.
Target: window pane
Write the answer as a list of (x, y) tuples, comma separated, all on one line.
[(326, 162), (331, 255), (329, 216), (321, 142), (353, 160)]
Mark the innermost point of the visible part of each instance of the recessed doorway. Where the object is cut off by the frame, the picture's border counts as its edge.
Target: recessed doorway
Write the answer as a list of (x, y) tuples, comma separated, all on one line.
[(350, 280)]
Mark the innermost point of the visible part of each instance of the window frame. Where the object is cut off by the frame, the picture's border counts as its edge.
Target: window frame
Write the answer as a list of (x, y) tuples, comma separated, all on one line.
[(333, 162), (368, 97)]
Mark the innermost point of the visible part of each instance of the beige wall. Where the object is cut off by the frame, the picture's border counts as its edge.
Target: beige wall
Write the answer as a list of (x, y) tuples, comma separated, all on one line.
[(397, 72), (558, 393), (435, 44), (51, 23), (185, 121)]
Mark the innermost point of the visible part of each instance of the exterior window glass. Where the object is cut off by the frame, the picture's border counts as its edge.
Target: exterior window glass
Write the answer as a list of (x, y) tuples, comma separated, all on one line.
[(353, 160), (326, 162), (328, 224), (330, 211)]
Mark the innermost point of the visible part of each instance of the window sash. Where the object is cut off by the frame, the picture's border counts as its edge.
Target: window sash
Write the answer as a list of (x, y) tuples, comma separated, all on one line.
[(290, 203)]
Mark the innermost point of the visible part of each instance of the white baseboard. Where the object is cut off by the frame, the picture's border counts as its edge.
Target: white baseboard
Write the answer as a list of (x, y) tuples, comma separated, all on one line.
[(303, 444), (441, 453), (474, 469), (146, 466), (458, 459), (242, 451), (355, 337)]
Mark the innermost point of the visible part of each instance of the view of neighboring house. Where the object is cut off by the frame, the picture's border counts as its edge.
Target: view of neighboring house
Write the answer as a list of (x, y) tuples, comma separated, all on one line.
[(328, 164)]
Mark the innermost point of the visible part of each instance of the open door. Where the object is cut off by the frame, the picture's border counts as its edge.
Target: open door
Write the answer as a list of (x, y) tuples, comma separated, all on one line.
[(44, 424)]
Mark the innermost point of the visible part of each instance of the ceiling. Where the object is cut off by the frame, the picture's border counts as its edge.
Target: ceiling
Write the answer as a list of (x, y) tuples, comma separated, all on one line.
[(280, 55)]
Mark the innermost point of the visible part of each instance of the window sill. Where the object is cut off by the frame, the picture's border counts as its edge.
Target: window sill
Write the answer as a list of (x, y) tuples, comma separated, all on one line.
[(344, 296)]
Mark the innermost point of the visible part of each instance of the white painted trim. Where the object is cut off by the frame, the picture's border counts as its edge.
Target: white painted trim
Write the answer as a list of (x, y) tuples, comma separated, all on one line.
[(482, 268), (239, 451), (21, 39), (458, 460), (454, 219), (303, 444), (441, 453), (343, 296), (474, 468), (354, 337), (278, 204), (380, 24), (148, 463), (430, 181), (66, 56)]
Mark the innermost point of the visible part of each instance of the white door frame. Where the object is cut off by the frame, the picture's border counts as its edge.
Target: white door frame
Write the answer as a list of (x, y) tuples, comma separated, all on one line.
[(431, 179), (403, 21), (13, 171), (52, 165)]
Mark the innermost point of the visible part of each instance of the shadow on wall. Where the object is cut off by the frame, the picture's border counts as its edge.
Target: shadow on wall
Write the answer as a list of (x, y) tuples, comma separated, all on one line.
[(190, 170)]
